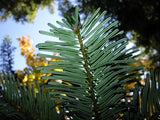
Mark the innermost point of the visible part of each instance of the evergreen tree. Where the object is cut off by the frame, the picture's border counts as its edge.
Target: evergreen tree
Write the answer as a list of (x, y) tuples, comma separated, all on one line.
[(6, 55)]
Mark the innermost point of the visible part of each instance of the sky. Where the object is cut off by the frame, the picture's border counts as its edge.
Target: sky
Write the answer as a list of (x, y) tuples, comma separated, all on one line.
[(15, 30)]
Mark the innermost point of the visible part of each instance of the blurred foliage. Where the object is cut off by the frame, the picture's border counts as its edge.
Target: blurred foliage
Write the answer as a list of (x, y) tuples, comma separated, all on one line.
[(30, 73), (20, 102), (6, 55), (145, 62), (140, 17), (147, 67), (141, 62), (23, 10)]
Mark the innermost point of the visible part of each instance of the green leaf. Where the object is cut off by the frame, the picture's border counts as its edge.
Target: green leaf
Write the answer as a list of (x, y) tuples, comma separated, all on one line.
[(76, 16)]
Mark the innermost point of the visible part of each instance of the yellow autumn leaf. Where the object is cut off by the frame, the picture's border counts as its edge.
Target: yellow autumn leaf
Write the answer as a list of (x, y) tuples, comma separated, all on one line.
[(25, 79)]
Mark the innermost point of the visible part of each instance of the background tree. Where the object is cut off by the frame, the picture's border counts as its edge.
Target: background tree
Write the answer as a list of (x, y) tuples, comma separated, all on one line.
[(141, 18), (23, 11), (6, 55), (30, 73)]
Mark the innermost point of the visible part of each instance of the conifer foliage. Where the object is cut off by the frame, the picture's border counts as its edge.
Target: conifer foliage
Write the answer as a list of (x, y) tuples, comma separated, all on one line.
[(90, 77), (94, 62)]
